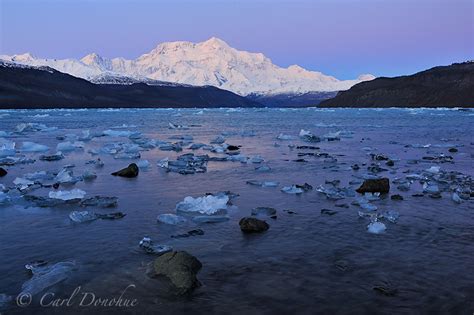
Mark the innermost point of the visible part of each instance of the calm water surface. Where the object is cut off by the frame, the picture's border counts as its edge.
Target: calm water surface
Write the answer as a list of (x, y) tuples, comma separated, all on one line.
[(305, 263)]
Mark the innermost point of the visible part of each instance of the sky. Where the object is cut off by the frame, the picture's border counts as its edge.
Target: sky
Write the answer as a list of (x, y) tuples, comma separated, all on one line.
[(343, 38)]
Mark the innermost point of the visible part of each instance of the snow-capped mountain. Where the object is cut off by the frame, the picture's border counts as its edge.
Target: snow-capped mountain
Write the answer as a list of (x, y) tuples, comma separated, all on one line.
[(212, 62)]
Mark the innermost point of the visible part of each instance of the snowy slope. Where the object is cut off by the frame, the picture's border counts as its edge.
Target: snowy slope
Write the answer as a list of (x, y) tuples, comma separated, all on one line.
[(212, 62)]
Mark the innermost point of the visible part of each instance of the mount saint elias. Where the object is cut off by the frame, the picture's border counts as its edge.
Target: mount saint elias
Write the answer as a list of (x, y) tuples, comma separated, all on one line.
[(209, 63)]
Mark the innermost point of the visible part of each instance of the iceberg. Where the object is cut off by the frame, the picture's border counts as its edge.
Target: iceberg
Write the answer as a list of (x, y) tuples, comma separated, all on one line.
[(67, 194), (204, 205)]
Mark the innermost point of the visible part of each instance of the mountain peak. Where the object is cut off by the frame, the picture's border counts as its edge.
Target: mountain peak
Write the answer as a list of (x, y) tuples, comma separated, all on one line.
[(214, 41), (24, 57), (97, 61)]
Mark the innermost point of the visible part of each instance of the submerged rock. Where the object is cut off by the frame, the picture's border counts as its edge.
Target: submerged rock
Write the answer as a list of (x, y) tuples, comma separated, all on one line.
[(396, 197), (189, 233), (129, 172), (181, 268), (253, 225), (381, 185)]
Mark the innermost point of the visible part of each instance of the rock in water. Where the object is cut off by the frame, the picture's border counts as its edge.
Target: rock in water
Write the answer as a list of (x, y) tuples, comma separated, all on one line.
[(3, 172), (181, 268), (253, 225), (130, 171), (381, 185)]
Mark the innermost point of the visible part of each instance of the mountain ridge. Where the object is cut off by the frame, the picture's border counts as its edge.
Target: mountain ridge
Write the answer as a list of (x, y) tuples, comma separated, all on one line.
[(442, 86), (212, 62)]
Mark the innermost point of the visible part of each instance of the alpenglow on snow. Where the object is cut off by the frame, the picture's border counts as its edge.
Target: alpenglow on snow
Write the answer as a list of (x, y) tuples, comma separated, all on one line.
[(212, 62)]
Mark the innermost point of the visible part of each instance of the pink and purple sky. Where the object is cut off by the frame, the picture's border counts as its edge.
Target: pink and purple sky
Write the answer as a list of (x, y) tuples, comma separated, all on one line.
[(338, 37)]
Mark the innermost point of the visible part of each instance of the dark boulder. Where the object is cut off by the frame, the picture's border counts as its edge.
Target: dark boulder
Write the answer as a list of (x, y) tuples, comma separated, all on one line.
[(3, 172), (130, 171), (253, 225), (381, 185), (181, 268)]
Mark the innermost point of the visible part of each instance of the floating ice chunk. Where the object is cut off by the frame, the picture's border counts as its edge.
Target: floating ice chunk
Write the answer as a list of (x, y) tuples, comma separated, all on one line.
[(4, 198), (376, 227), (176, 126), (372, 196), (270, 184), (25, 127), (218, 140), (205, 205), (69, 146), (47, 276), (391, 216), (143, 164), (52, 157), (430, 188), (28, 146), (163, 163), (7, 148), (22, 183), (292, 190), (256, 159), (282, 136), (263, 168), (332, 136), (89, 175), (455, 197), (433, 169), (147, 245), (118, 133), (367, 206), (67, 194), (65, 176), (169, 218), (304, 133), (82, 216), (307, 136)]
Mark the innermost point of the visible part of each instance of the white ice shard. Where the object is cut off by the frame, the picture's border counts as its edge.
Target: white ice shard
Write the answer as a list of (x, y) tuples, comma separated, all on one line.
[(204, 205), (67, 194)]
